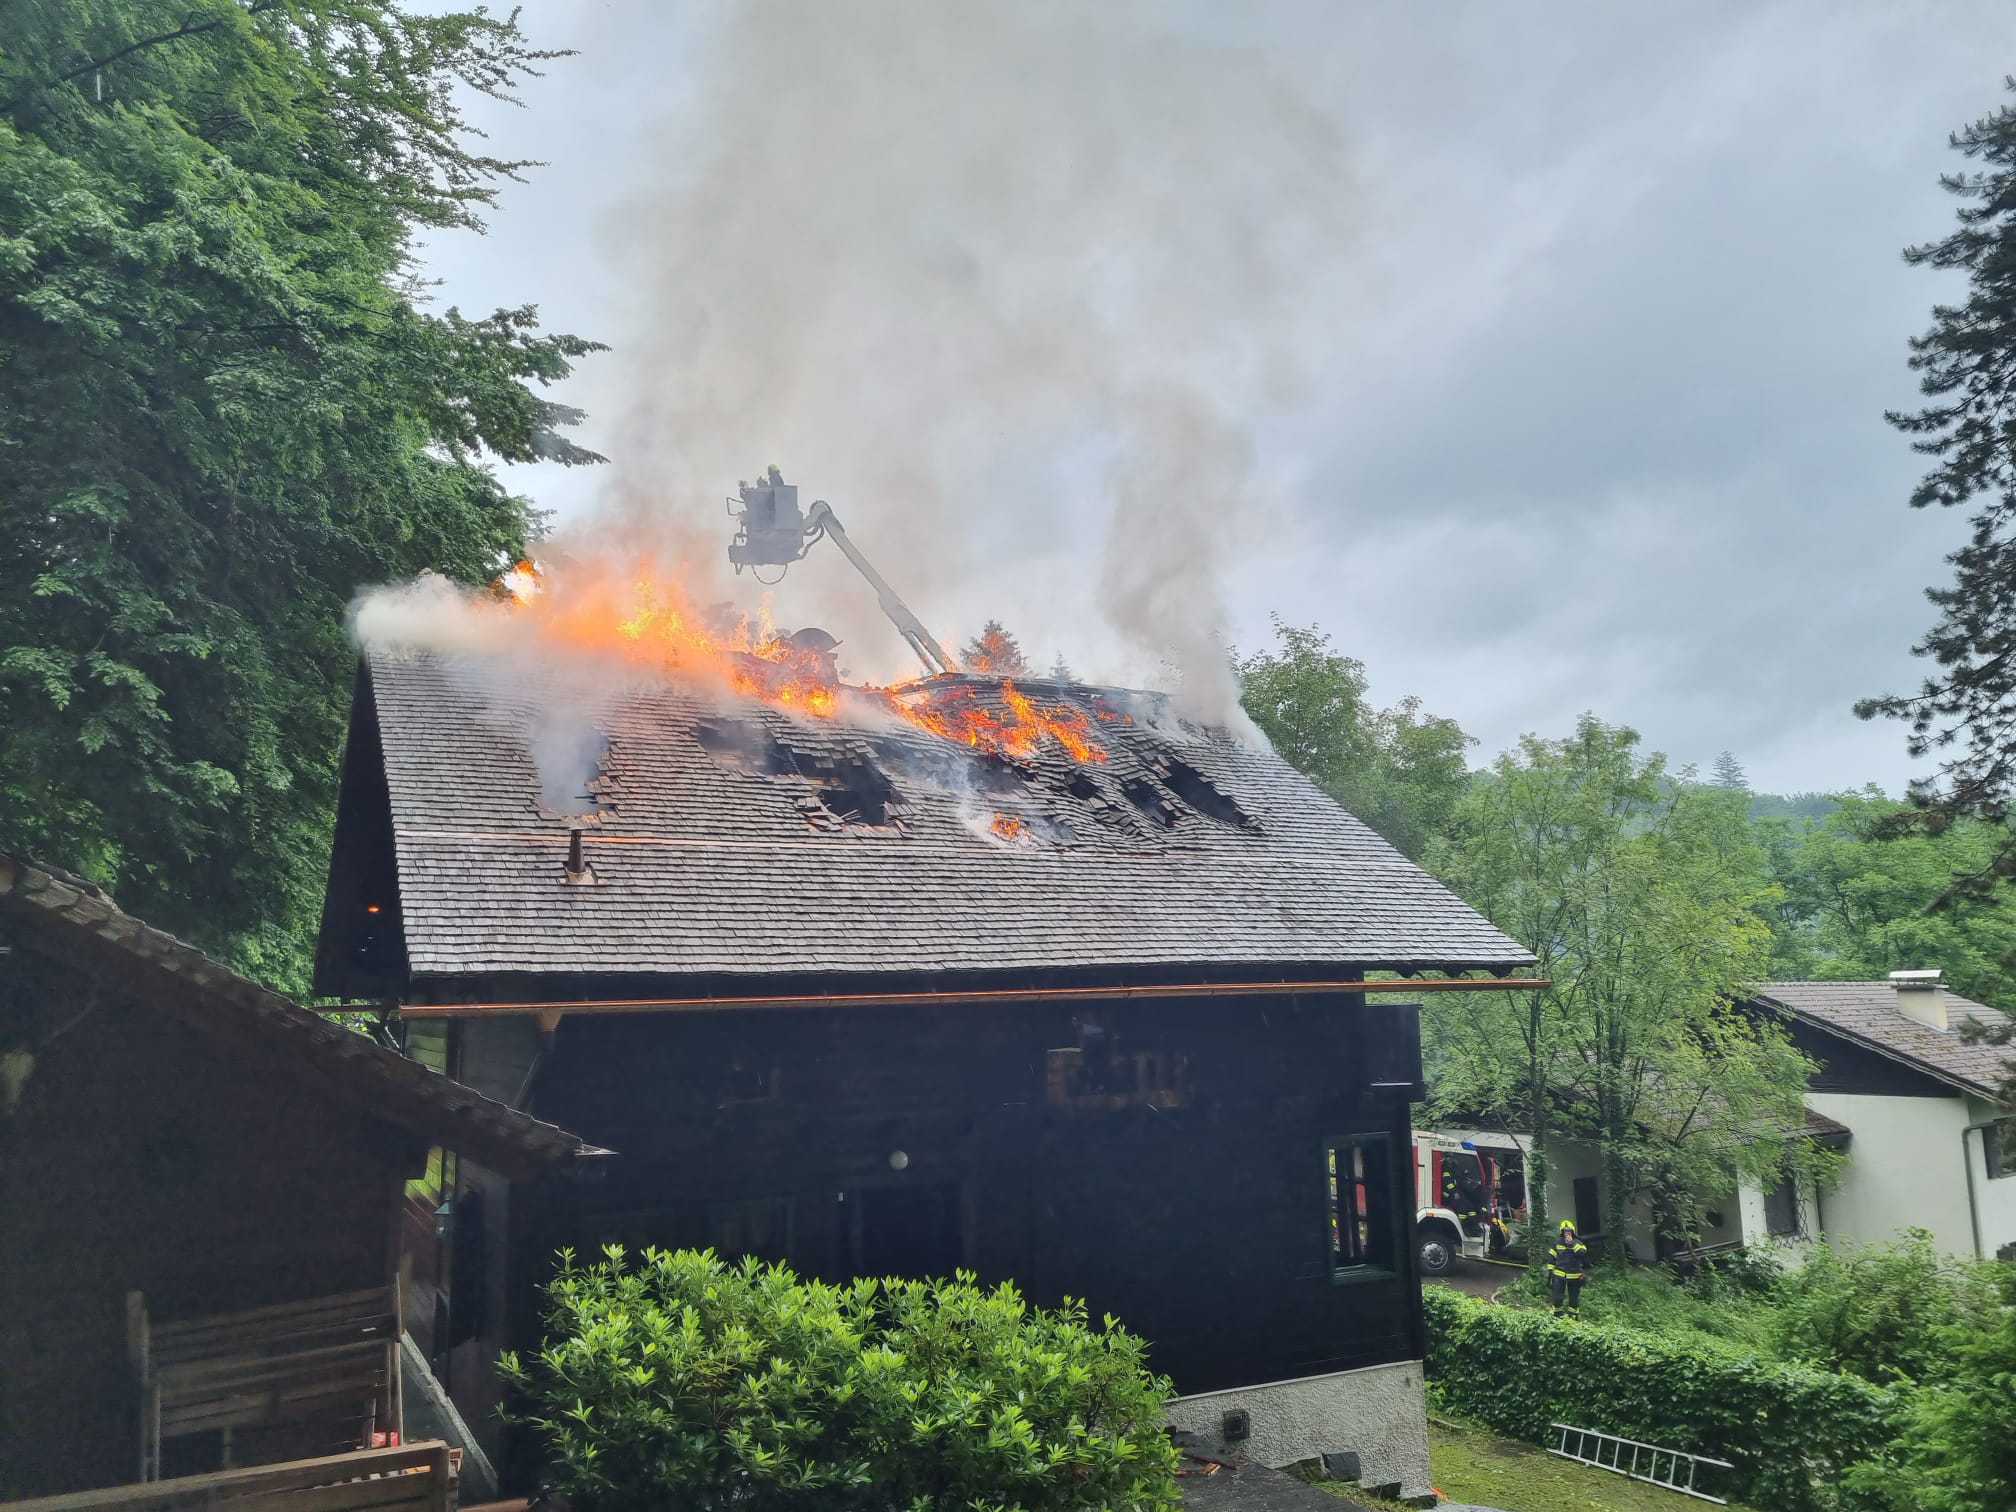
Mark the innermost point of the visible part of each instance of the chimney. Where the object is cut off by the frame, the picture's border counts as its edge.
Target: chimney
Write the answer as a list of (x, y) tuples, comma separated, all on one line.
[(578, 871), (1920, 997)]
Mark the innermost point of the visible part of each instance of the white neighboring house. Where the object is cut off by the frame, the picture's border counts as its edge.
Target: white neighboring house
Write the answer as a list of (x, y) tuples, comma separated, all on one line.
[(1930, 1144), (1913, 1106)]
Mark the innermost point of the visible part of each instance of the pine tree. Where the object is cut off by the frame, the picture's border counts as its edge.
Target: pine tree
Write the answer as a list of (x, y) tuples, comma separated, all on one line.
[(995, 653), (1968, 363), (1060, 670), (1967, 710), (1729, 773)]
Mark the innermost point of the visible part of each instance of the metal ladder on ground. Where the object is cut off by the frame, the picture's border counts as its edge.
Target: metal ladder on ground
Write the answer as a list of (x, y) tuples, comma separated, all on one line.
[(1606, 1451)]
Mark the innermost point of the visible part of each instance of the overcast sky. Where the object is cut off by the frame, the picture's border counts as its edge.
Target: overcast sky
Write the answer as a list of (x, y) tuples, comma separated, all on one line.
[(1586, 407)]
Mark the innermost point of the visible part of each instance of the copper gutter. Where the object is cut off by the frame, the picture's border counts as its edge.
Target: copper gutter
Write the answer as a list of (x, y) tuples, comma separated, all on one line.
[(1001, 995)]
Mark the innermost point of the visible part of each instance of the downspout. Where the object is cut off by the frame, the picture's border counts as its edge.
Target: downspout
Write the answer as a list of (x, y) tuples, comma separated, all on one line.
[(1973, 1209)]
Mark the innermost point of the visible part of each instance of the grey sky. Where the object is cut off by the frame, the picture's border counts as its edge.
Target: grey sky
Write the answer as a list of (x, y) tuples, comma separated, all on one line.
[(1589, 410)]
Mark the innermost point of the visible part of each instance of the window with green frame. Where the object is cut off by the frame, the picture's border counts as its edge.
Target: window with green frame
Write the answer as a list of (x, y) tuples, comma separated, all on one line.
[(1364, 1212)]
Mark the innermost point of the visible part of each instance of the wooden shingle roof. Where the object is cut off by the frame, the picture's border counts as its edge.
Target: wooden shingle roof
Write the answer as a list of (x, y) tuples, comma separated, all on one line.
[(731, 842)]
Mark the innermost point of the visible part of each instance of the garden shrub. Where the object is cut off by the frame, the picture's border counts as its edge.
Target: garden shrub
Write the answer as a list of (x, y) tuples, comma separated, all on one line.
[(681, 1381), (1789, 1429), (1882, 1311)]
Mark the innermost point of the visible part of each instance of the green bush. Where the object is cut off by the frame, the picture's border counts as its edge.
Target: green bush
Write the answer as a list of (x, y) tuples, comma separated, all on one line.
[(1955, 1447), (1789, 1429), (1883, 1311), (682, 1381)]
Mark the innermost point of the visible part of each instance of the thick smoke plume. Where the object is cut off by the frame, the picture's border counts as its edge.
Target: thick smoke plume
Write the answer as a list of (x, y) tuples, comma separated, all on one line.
[(1022, 288), (1004, 282)]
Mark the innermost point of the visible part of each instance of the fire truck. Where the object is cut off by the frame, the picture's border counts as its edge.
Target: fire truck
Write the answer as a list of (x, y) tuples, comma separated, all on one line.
[(1469, 1198)]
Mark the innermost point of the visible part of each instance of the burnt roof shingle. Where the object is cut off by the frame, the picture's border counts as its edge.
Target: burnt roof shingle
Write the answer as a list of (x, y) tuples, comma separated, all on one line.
[(1867, 1014), (384, 1083), (714, 854)]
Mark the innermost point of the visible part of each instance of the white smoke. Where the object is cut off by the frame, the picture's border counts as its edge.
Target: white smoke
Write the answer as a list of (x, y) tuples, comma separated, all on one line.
[(977, 273)]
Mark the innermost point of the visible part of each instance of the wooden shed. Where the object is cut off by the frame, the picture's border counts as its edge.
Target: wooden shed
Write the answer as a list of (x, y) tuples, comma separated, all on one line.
[(178, 1143)]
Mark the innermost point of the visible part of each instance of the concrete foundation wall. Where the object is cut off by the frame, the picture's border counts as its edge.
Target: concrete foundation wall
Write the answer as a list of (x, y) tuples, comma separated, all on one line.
[(1380, 1411)]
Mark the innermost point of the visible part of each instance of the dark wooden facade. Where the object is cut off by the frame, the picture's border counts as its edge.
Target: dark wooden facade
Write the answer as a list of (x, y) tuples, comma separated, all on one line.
[(143, 1157), (169, 1129), (1166, 1161)]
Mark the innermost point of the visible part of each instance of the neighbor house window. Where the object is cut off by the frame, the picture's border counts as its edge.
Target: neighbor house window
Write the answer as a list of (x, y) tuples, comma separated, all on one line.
[(1588, 1209), (1998, 1147), (1781, 1209), (1364, 1220)]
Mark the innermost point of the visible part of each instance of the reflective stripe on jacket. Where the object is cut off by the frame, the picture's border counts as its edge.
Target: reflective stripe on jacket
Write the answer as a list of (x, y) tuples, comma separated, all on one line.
[(1568, 1261)]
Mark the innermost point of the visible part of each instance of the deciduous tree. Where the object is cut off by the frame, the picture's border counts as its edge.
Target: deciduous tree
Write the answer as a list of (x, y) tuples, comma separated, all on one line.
[(1645, 901), (224, 409), (1399, 769)]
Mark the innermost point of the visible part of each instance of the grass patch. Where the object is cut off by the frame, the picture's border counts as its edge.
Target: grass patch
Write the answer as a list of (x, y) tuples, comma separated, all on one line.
[(1472, 1466), (1648, 1297)]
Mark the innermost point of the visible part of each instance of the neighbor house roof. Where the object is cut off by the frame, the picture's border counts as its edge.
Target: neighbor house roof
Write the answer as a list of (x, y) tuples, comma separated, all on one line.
[(80, 924), (1866, 1014), (731, 842)]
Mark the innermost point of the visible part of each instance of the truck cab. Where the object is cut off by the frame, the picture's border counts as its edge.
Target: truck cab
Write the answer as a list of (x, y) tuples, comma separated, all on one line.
[(1468, 1200)]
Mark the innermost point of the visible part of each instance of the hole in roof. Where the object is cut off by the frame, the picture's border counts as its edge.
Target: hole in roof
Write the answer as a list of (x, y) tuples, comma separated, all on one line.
[(1148, 798), (742, 745), (1080, 785), (1197, 790), (852, 788)]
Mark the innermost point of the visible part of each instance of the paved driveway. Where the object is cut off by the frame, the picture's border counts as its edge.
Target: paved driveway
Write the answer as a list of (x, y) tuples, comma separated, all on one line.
[(1479, 1278)]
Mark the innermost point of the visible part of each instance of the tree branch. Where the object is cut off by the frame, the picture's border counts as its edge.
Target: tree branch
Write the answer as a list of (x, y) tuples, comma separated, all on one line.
[(187, 29)]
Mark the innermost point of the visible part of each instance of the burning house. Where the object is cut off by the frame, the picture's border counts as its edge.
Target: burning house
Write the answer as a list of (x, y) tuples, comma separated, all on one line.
[(1040, 982)]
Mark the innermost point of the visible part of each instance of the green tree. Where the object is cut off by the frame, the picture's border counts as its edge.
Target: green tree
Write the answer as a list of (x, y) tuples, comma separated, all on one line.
[(1863, 898), (224, 409), (1729, 773), (994, 652), (1966, 711), (1398, 769), (1645, 901)]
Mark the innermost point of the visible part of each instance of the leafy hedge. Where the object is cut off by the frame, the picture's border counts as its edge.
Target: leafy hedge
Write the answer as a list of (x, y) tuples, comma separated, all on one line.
[(685, 1382), (1789, 1429)]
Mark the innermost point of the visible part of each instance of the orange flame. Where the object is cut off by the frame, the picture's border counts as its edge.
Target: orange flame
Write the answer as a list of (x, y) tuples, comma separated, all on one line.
[(1007, 826), (644, 616)]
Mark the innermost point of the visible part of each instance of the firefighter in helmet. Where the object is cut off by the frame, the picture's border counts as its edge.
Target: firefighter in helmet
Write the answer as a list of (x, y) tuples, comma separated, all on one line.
[(1567, 1265)]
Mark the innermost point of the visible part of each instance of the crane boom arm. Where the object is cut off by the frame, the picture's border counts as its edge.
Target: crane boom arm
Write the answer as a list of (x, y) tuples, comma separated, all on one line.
[(820, 520)]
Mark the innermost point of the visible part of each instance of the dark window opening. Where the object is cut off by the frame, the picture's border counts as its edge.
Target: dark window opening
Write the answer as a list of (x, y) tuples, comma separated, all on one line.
[(1148, 798), (1588, 1209), (761, 1228), (1197, 790), (916, 1232), (1101, 1072), (1364, 1218), (744, 746), (1781, 1209), (747, 1081), (1998, 1147)]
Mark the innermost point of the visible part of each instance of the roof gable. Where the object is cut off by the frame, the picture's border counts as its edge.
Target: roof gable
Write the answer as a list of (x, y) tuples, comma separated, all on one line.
[(737, 841), (1865, 1014)]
